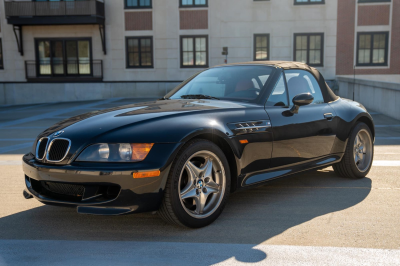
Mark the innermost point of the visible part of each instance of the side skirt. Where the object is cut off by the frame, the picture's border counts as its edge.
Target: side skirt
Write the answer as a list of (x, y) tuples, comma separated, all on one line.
[(259, 178)]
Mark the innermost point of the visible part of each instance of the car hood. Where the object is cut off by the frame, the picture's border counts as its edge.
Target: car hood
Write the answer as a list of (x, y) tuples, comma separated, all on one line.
[(99, 122)]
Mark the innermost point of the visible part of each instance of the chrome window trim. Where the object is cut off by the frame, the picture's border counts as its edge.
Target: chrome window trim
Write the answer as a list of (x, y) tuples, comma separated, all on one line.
[(45, 149), (49, 147)]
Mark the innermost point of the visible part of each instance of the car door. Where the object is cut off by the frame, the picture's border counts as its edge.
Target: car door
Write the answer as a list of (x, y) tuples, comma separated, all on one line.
[(307, 135)]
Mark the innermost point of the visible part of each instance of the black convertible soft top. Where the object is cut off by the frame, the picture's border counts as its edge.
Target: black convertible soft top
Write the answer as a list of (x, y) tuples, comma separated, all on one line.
[(329, 95)]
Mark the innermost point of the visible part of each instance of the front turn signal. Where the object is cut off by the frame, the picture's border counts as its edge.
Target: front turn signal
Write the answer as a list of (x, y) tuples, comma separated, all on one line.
[(146, 174), (140, 150)]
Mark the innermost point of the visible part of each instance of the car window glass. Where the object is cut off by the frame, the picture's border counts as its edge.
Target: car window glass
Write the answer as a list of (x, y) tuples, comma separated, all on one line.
[(255, 84), (242, 83), (301, 81), (278, 96), (208, 86), (263, 79)]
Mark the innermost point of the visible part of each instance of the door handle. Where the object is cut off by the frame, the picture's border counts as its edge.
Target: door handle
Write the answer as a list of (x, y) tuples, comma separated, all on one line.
[(328, 116)]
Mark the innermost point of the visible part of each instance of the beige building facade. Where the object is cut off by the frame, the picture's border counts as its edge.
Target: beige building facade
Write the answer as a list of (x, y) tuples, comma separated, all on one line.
[(83, 50)]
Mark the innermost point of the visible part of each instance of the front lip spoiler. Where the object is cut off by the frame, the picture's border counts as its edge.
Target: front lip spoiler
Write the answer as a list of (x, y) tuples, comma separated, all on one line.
[(103, 211), (82, 209)]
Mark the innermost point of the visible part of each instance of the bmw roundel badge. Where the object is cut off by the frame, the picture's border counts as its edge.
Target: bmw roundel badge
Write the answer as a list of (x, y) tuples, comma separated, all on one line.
[(57, 134)]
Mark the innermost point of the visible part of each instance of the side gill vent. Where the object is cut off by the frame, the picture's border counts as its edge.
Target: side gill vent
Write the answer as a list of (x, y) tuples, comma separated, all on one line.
[(249, 127)]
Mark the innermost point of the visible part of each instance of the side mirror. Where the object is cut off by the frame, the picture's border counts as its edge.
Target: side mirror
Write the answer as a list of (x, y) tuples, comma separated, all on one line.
[(301, 100)]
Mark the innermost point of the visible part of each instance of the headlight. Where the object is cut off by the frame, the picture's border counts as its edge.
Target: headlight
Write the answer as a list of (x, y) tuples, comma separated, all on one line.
[(121, 152)]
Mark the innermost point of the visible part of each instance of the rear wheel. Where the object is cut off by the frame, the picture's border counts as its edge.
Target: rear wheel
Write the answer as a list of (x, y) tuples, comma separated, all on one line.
[(359, 154), (198, 185)]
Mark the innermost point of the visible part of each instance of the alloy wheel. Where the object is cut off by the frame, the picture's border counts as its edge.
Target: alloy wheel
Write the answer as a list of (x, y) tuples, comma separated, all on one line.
[(202, 184), (362, 150)]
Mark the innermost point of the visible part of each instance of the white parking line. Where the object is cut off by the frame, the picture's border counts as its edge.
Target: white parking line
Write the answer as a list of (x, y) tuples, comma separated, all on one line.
[(385, 163), (10, 162), (58, 252)]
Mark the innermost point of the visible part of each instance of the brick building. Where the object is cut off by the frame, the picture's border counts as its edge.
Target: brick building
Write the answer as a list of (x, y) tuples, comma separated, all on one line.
[(94, 49), (368, 41)]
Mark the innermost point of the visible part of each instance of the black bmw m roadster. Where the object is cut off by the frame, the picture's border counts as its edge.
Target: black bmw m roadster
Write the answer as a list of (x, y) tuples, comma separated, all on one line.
[(225, 129)]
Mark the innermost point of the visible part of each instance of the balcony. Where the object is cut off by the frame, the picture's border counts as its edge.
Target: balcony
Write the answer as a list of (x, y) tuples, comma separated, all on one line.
[(23, 13), (80, 12), (64, 70)]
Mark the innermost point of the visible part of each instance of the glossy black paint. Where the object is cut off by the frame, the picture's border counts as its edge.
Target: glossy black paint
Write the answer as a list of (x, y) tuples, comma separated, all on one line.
[(287, 143)]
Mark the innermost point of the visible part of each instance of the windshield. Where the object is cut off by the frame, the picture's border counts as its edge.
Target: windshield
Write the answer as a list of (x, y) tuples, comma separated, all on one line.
[(239, 83)]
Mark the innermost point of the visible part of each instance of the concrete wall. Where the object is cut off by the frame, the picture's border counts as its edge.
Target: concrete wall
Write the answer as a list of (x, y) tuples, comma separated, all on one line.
[(20, 93), (382, 97)]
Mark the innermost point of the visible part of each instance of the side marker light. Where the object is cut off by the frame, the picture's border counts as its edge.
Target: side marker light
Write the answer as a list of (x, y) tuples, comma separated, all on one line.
[(146, 174)]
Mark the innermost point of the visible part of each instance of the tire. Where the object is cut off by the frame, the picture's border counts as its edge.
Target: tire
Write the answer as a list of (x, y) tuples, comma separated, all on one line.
[(348, 167), (193, 181)]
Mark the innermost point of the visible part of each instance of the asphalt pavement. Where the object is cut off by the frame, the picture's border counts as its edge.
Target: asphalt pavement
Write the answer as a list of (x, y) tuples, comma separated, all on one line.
[(316, 218)]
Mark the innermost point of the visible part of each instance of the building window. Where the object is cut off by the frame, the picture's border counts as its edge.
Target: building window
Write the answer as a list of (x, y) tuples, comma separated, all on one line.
[(308, 48), (139, 52), (1, 56), (64, 57), (372, 49), (193, 3), (194, 51), (261, 47), (309, 2), (138, 4)]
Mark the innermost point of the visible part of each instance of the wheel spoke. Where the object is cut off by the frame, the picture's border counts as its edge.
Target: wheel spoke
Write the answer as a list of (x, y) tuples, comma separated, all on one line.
[(193, 169), (212, 187), (358, 159), (201, 202), (190, 193), (207, 168), (356, 142)]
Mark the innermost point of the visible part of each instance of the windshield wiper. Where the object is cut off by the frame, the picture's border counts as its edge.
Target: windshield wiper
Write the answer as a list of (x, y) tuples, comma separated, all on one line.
[(198, 96), (164, 98)]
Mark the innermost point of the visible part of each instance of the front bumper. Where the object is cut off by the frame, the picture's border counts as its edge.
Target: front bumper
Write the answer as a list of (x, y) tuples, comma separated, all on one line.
[(111, 191)]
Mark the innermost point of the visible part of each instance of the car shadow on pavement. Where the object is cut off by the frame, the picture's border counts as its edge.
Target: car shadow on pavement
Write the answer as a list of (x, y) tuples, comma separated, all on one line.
[(250, 217)]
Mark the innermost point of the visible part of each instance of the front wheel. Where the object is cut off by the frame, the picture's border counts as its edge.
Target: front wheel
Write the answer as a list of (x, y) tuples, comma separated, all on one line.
[(359, 154), (198, 185)]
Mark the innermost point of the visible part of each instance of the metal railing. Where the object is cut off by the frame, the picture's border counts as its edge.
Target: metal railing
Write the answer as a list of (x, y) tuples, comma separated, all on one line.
[(79, 69), (56, 8)]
